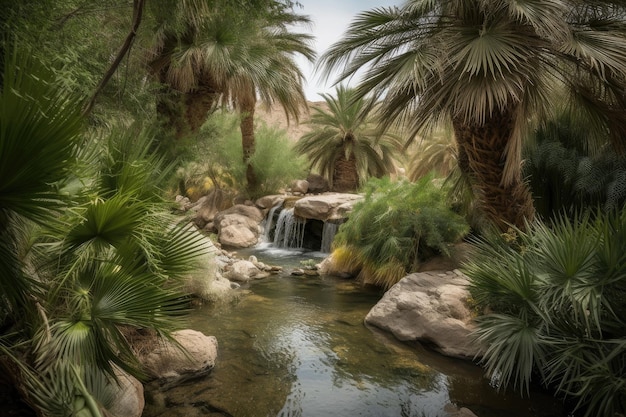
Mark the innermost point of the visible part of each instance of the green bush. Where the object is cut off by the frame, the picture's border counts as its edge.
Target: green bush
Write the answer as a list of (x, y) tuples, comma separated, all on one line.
[(215, 158), (555, 303), (397, 226)]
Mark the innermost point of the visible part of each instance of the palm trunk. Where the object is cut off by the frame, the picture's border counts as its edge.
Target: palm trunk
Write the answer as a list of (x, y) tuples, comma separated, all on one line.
[(345, 176), (247, 105), (483, 153)]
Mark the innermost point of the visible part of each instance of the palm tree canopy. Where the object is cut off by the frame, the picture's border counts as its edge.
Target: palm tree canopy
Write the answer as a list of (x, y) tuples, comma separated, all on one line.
[(229, 51), (489, 67), (466, 59), (344, 131)]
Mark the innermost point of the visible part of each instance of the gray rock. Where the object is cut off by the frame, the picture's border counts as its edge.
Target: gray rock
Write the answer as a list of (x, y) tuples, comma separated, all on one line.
[(429, 307)]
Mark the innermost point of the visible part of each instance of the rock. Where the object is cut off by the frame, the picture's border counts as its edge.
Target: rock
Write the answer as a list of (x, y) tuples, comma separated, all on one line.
[(454, 411), (170, 364), (269, 201), (244, 271), (238, 236), (328, 267), (299, 186), (317, 184), (429, 307), (209, 206), (128, 394), (326, 207), (248, 211)]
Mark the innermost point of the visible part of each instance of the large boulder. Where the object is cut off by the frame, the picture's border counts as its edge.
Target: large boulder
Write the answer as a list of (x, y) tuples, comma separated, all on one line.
[(193, 354), (430, 307), (325, 207)]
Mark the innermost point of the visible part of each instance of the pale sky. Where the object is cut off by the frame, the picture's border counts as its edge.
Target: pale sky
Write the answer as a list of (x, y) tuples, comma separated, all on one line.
[(330, 20)]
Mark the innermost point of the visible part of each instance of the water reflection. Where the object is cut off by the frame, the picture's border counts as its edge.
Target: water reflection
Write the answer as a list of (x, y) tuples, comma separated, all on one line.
[(297, 346)]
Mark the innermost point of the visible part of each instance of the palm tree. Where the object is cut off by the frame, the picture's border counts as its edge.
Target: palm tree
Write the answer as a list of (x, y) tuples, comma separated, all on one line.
[(235, 59), (85, 257), (488, 67), (344, 143)]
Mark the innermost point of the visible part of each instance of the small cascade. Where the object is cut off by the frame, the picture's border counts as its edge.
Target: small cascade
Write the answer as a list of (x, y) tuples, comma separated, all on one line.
[(289, 232), (269, 223), (328, 234)]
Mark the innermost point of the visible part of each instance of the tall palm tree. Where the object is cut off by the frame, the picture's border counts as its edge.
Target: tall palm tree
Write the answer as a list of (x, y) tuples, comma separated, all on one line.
[(488, 67), (345, 144), (235, 58)]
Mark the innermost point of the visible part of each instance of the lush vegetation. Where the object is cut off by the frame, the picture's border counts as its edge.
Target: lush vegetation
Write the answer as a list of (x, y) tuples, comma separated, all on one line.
[(397, 226), (90, 251), (214, 159), (556, 302), (489, 68), (345, 143)]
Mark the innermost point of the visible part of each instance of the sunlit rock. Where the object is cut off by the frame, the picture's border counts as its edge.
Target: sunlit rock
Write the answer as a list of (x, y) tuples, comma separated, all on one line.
[(429, 307)]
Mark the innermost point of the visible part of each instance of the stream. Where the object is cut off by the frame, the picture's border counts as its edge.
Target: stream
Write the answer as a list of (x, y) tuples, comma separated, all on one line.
[(296, 346)]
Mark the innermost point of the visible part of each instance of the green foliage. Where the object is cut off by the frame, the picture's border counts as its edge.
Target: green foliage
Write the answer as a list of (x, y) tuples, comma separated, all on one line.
[(216, 155), (347, 135), (396, 227), (556, 297), (566, 176), (113, 259)]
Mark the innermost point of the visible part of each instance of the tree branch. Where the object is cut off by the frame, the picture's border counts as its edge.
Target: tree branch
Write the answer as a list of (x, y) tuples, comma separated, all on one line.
[(138, 6)]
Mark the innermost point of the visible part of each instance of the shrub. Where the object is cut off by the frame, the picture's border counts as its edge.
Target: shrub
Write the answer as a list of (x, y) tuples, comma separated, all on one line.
[(556, 297), (396, 227), (215, 159)]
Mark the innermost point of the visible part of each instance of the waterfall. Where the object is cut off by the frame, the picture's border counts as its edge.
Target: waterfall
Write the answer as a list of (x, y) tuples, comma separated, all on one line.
[(289, 232), (267, 227), (328, 234)]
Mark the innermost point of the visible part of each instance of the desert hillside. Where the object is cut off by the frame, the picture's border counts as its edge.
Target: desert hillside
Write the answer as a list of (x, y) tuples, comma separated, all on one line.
[(275, 117)]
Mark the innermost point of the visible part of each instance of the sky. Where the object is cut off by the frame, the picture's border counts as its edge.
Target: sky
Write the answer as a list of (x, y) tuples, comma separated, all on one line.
[(330, 20)]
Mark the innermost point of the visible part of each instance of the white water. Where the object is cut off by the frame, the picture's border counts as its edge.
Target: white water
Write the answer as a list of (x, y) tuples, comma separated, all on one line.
[(289, 232), (328, 234)]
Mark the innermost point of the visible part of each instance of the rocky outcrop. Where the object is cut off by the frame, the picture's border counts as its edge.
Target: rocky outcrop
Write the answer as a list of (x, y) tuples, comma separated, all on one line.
[(429, 307), (334, 206), (193, 354)]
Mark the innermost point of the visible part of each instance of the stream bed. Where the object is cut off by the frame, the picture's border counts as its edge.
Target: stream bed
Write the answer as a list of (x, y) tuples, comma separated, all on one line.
[(296, 346)]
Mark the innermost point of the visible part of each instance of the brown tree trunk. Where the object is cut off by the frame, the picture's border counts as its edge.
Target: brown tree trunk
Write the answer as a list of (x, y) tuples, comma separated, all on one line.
[(247, 106), (345, 176), (482, 150)]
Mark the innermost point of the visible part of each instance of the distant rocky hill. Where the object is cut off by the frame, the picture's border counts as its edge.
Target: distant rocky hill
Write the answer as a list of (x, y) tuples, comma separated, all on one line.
[(275, 117)]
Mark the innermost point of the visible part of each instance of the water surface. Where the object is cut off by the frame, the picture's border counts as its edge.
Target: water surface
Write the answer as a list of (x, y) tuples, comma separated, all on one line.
[(297, 346)]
